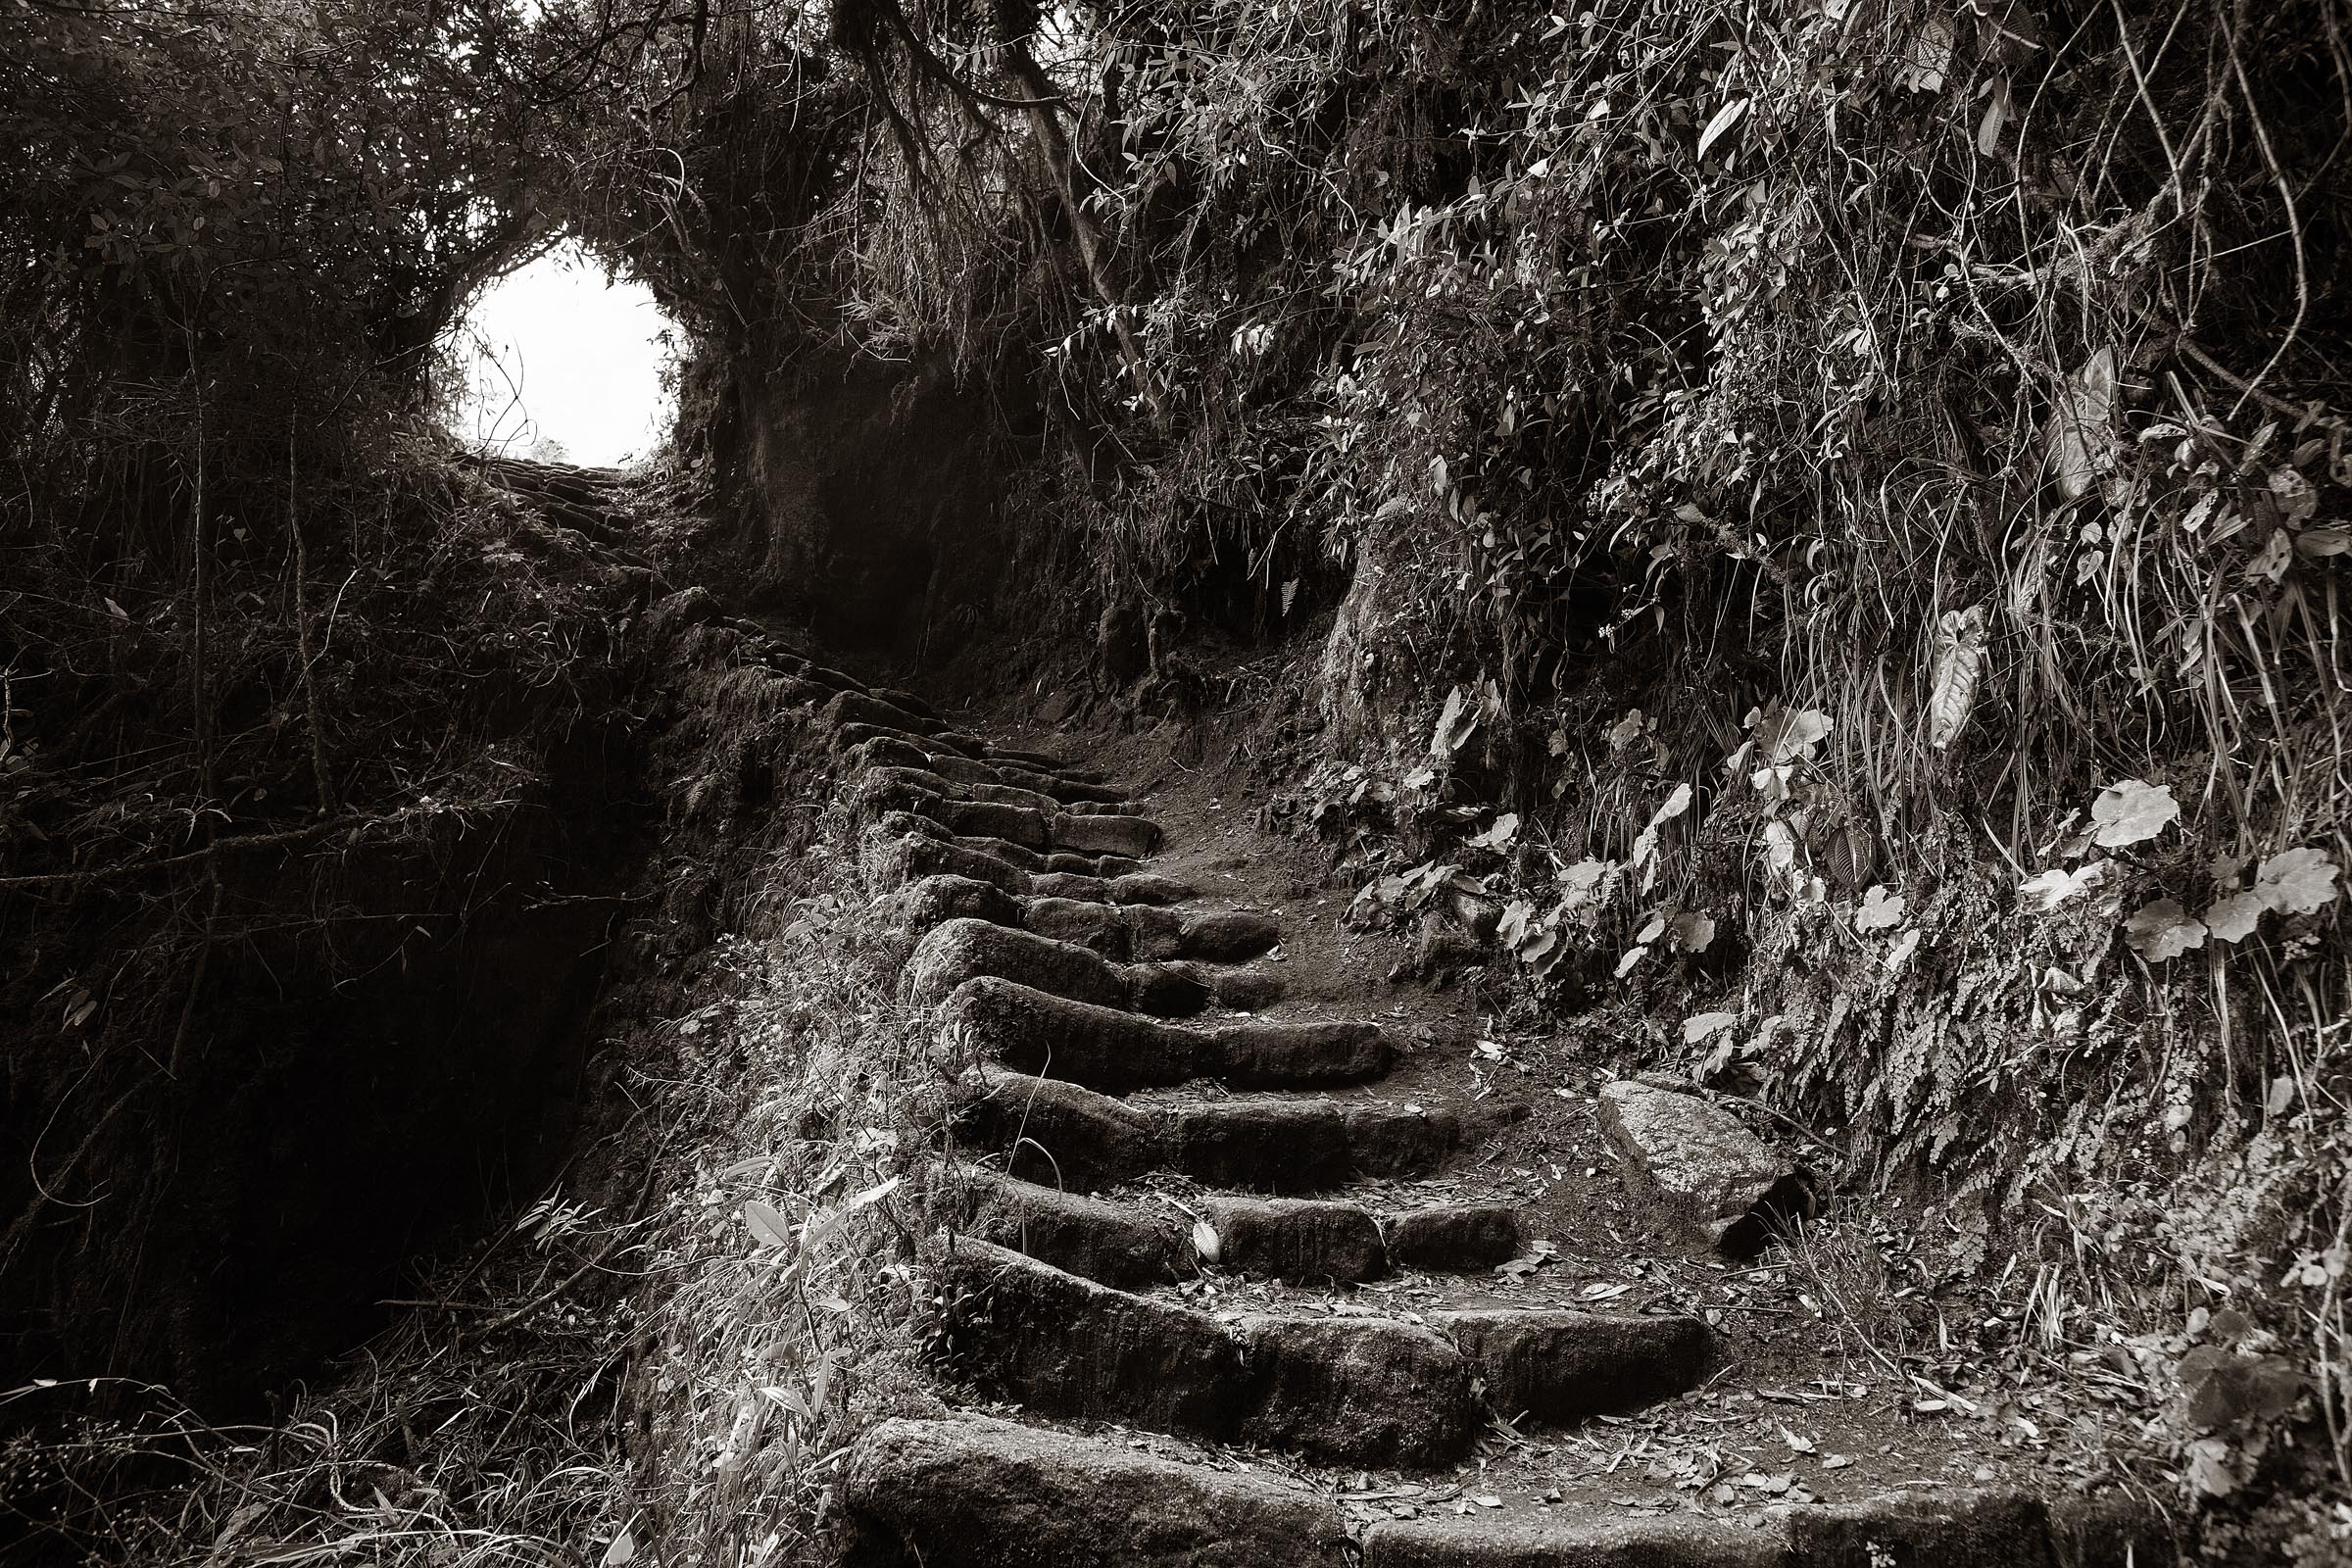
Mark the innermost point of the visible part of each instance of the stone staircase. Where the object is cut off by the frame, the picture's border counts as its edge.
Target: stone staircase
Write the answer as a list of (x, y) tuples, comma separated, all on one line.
[(1191, 1243)]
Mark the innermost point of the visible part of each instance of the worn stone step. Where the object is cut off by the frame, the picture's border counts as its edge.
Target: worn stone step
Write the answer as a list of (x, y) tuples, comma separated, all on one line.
[(892, 783), (1065, 1135), (1574, 1538), (1035, 1031), (1035, 862), (880, 792), (1301, 1241), (1349, 1389), (889, 859), (975, 1493), (1453, 1238), (1136, 1243), (1121, 933), (1559, 1366), (850, 706), (1318, 1240), (887, 781), (1113, 1244), (960, 950), (879, 749), (1958, 1527)]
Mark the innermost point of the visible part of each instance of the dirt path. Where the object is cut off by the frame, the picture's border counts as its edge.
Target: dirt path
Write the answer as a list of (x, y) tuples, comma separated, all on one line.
[(1264, 1257)]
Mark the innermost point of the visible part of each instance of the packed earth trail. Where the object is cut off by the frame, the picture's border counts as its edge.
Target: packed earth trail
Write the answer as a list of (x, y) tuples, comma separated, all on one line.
[(1258, 1256)]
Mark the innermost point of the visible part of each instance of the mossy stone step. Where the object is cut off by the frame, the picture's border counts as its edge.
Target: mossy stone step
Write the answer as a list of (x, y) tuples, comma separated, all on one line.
[(959, 949), (1066, 1136), (982, 1493), (1358, 1390), (1121, 933), (1037, 1031)]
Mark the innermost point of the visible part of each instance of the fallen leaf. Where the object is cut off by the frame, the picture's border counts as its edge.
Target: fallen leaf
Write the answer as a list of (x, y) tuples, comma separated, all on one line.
[(1632, 955), (1506, 829), (622, 1550), (1206, 1241), (2080, 432), (1796, 1444)]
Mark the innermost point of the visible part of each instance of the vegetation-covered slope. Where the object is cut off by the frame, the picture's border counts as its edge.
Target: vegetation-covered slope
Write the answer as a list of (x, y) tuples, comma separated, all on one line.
[(1824, 523)]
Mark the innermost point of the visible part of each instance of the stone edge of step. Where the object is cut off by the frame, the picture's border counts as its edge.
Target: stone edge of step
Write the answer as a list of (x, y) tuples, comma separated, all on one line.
[(953, 1475)]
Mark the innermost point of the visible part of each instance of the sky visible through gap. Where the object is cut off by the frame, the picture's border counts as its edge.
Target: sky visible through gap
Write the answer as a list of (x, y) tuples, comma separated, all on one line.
[(563, 363)]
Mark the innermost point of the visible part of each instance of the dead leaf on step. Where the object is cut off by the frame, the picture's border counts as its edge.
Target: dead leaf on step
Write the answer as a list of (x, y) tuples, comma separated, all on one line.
[(1205, 1240)]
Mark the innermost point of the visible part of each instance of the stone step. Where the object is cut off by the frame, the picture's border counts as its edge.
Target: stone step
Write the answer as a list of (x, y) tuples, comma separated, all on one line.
[(1020, 856), (963, 949), (890, 859), (975, 1493), (1067, 1137), (1104, 1047), (854, 707), (1110, 1243), (1332, 1241), (1122, 934), (881, 750), (1356, 1389), (1140, 1244), (880, 792), (1959, 1528)]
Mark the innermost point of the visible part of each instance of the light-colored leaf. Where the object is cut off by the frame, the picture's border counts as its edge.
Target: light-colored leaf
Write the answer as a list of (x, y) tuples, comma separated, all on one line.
[(1693, 931), (2234, 916), (1719, 124), (1499, 836), (1952, 671), (623, 1550), (1900, 954), (1700, 1025), (2056, 886), (1455, 725), (2297, 881), (2163, 930), (768, 1226), (2080, 434), (1793, 736), (1997, 118), (1930, 56), (2132, 812), (1881, 910), (1632, 955), (1206, 1241)]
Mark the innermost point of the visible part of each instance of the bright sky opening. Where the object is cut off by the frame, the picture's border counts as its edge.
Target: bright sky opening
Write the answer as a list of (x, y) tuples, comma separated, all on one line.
[(565, 362)]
